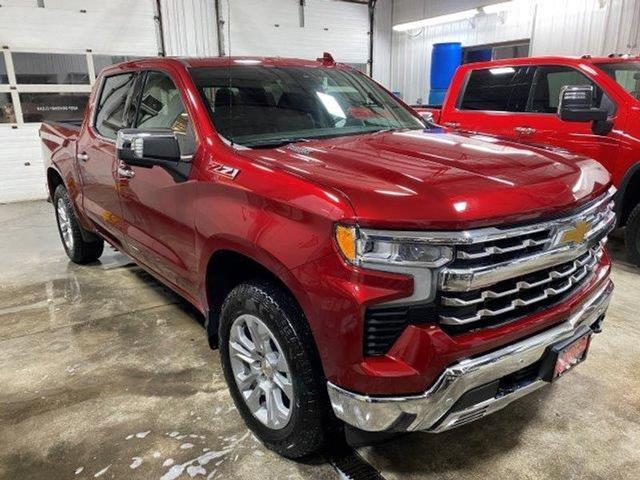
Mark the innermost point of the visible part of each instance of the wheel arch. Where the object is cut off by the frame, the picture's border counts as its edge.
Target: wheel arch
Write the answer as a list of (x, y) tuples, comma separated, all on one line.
[(628, 195), (54, 179), (230, 263)]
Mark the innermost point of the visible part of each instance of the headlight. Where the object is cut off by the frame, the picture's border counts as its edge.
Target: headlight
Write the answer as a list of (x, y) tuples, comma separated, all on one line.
[(378, 247)]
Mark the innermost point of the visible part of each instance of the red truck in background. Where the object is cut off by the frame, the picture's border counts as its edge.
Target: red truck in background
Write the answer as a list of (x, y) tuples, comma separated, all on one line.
[(351, 263), (518, 99)]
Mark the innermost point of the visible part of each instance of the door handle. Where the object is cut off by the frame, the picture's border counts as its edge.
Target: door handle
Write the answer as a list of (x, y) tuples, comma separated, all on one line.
[(525, 131), (82, 157), (125, 172), (452, 124)]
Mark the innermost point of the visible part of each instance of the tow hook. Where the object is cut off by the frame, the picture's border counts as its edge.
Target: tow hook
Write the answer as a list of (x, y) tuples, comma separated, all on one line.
[(597, 325)]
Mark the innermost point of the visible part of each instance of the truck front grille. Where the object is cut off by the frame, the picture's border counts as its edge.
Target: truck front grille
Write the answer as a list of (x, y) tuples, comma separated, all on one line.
[(500, 274), (513, 298)]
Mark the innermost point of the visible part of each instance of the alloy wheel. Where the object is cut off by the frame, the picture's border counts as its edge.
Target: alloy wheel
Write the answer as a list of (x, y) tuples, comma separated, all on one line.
[(261, 371)]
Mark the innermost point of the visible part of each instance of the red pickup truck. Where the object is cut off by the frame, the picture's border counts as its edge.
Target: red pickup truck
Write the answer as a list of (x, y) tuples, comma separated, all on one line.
[(518, 99), (350, 262)]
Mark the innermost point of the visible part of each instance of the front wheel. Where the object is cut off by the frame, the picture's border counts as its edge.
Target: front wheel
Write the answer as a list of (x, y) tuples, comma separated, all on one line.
[(77, 248), (269, 362), (632, 236)]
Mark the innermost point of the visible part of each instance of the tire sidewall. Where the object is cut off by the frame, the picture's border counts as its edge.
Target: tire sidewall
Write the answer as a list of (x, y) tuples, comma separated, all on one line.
[(275, 320), (632, 236), (61, 195)]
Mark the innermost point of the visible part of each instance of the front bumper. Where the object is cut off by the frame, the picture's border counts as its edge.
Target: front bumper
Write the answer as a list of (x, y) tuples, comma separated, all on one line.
[(439, 409)]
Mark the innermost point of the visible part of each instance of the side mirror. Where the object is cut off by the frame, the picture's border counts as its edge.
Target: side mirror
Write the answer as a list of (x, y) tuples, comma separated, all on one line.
[(427, 117), (576, 106), (147, 148)]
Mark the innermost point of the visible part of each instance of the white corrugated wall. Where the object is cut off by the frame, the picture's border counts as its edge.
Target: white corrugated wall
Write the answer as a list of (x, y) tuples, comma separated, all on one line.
[(189, 27), (383, 21), (555, 27), (273, 28), (111, 27)]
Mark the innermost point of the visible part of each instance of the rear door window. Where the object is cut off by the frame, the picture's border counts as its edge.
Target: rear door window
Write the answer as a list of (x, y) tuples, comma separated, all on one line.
[(115, 100), (548, 83), (502, 89)]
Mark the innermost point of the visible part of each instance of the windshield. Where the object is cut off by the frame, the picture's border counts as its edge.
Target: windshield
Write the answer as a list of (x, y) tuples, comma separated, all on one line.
[(627, 74), (255, 105)]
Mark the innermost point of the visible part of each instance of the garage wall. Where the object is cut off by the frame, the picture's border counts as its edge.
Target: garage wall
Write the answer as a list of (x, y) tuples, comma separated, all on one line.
[(114, 27), (189, 27), (382, 33), (555, 27), (273, 28)]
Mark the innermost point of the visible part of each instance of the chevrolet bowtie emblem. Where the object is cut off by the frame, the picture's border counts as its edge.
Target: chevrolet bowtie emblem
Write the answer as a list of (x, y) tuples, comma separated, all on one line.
[(577, 233)]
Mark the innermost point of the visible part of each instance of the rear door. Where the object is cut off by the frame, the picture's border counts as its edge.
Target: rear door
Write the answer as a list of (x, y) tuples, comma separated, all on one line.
[(489, 101), (545, 127), (158, 210), (96, 153)]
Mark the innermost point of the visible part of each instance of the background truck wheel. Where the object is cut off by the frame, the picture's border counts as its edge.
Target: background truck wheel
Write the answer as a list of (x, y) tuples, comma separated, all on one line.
[(270, 365), (632, 236), (78, 250)]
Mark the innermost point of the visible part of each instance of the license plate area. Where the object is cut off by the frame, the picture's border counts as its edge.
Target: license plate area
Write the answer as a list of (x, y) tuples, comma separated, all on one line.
[(564, 356)]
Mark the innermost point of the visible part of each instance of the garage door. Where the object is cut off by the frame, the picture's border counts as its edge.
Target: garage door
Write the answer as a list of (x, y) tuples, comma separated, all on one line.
[(282, 28), (51, 53)]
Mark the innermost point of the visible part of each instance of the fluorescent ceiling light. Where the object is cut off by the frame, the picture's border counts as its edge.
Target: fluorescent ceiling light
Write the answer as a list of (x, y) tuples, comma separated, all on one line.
[(497, 7), (501, 70), (452, 17)]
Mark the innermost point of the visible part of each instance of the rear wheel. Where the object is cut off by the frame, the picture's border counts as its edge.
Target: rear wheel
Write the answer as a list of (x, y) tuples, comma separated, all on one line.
[(78, 250), (632, 235), (270, 366)]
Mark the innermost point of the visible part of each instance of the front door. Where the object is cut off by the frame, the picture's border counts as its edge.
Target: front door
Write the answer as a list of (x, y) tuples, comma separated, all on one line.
[(490, 101), (158, 209), (96, 154), (544, 126)]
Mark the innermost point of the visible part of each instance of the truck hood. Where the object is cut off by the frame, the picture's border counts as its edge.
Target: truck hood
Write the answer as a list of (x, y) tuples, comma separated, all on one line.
[(437, 179)]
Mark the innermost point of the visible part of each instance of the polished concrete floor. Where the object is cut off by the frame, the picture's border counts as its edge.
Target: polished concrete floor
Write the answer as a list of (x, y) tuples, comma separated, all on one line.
[(105, 373)]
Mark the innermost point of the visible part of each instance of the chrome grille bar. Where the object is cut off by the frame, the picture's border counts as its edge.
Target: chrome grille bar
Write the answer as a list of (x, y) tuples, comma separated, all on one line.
[(588, 260), (576, 278)]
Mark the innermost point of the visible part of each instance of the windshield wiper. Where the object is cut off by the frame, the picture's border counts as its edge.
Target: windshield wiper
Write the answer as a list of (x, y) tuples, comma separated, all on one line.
[(279, 142)]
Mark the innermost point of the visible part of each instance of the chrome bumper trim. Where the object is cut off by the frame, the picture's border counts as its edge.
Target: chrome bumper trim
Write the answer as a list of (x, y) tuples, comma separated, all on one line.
[(428, 411)]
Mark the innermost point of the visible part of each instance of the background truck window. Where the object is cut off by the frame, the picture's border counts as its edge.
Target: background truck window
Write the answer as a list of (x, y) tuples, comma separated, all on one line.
[(112, 105), (627, 74), (548, 82), (503, 89)]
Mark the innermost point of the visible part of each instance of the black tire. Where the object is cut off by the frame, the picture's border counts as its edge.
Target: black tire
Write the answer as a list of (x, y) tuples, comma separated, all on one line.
[(77, 248), (632, 236), (310, 418)]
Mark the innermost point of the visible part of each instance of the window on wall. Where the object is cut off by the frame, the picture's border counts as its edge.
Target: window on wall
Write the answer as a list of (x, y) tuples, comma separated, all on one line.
[(7, 113), (4, 78), (50, 68), (50, 86), (53, 106)]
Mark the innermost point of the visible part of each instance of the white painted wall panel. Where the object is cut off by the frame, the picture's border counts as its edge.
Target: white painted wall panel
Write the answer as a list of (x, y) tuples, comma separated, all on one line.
[(382, 33), (337, 27), (23, 176), (190, 27), (119, 27), (411, 52), (116, 26)]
